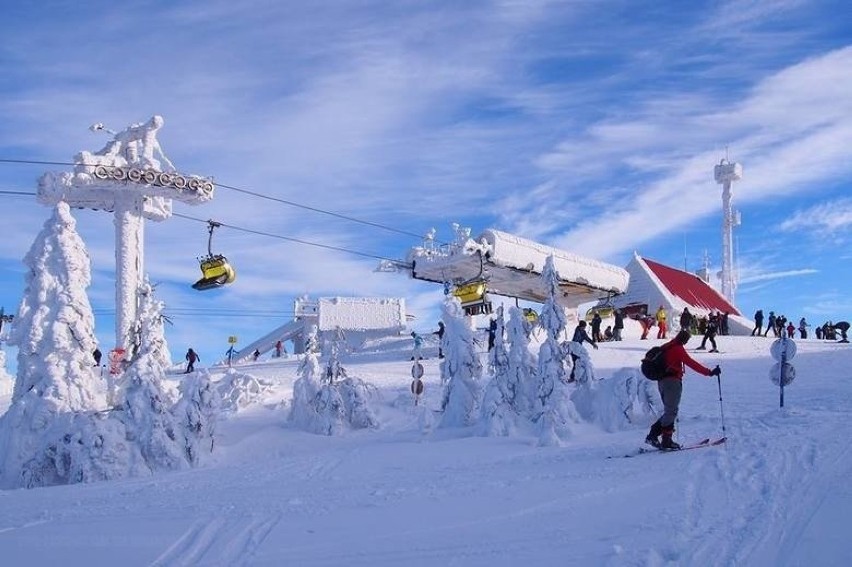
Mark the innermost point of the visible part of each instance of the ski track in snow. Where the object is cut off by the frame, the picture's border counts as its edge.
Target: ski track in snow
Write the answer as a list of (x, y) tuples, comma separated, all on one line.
[(221, 540)]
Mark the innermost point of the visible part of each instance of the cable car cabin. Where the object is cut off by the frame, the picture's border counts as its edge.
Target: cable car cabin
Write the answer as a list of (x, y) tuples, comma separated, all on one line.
[(216, 272), (530, 314), (473, 298), (604, 311)]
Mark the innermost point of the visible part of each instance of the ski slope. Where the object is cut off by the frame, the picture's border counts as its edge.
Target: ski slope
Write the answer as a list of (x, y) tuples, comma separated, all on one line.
[(777, 494)]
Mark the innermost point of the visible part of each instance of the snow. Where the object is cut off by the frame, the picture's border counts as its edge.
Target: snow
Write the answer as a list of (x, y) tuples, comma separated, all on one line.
[(499, 462), (271, 494)]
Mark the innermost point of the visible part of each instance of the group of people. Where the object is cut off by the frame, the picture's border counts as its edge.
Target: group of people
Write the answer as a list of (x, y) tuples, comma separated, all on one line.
[(612, 332), (781, 327)]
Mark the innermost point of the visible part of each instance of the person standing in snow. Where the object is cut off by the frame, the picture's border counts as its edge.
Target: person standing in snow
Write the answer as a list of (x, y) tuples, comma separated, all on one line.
[(803, 328), (685, 320), (255, 355), (671, 388), (770, 325), (278, 347), (843, 327), (580, 336), (619, 325), (418, 344), (440, 333), (710, 332), (97, 355), (492, 333), (758, 323), (191, 358), (661, 322), (596, 327)]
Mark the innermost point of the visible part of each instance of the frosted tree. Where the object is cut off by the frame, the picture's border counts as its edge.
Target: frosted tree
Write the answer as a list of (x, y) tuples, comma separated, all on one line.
[(146, 415), (42, 441), (7, 382), (334, 402), (461, 369), (197, 411), (307, 386), (499, 415), (552, 407), (54, 329)]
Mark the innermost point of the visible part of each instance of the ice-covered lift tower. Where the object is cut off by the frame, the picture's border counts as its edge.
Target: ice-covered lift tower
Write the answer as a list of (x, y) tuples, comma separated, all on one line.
[(511, 266), (132, 178), (726, 173)]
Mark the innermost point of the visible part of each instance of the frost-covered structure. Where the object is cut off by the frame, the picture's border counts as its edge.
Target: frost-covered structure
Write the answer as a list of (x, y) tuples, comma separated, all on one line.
[(513, 265), (461, 369), (132, 178)]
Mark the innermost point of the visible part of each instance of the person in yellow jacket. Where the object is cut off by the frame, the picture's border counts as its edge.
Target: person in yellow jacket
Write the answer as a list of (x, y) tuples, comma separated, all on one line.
[(661, 322)]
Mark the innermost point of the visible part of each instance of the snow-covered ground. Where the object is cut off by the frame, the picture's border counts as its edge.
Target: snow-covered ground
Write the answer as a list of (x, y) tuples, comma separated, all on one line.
[(778, 493)]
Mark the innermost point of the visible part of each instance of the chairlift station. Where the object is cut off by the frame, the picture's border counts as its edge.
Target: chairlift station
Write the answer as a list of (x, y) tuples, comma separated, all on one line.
[(511, 266)]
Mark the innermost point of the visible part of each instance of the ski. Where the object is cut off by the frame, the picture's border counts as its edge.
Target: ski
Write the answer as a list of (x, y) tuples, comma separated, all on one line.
[(644, 450)]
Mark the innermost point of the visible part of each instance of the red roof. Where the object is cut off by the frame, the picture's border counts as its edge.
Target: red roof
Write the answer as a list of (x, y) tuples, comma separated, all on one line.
[(691, 289)]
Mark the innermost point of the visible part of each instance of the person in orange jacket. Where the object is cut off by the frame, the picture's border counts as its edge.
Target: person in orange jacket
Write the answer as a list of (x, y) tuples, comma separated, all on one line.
[(671, 388)]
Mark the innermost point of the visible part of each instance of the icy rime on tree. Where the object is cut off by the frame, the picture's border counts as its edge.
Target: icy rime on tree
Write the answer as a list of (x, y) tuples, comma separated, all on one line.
[(147, 418), (50, 434), (461, 369), (552, 405), (331, 403)]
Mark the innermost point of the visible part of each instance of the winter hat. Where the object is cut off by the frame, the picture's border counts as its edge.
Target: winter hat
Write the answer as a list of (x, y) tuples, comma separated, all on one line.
[(683, 337)]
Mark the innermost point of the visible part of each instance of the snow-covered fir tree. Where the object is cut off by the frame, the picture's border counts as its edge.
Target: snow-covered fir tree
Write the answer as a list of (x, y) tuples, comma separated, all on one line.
[(553, 405), (334, 402), (54, 329), (461, 369), (146, 406), (197, 411), (499, 415), (50, 434)]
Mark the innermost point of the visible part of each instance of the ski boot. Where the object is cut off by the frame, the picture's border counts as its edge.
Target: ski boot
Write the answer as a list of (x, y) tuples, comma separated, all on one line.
[(667, 444)]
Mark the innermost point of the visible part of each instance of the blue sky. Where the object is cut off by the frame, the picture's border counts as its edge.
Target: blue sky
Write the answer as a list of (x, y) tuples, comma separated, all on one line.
[(590, 126)]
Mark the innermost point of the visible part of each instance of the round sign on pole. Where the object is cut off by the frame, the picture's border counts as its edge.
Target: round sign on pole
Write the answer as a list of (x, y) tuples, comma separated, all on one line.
[(417, 387), (788, 373), (417, 371), (783, 349)]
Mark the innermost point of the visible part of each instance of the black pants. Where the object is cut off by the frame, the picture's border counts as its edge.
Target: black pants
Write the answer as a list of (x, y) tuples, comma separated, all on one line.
[(711, 337)]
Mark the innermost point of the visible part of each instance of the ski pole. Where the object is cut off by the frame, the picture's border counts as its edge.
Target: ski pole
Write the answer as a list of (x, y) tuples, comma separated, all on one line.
[(721, 407)]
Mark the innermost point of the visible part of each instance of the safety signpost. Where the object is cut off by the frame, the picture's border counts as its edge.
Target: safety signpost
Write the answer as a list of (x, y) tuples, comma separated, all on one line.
[(417, 387), (782, 373)]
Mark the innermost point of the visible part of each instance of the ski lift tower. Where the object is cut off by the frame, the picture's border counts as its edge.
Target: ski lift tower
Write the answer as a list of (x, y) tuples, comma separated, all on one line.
[(131, 178), (726, 173)]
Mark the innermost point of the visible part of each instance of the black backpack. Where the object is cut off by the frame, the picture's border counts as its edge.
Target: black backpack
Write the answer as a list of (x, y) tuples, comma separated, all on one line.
[(654, 364)]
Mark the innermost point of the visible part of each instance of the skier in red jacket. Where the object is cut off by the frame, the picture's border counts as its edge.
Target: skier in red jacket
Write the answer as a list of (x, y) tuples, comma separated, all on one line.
[(671, 387)]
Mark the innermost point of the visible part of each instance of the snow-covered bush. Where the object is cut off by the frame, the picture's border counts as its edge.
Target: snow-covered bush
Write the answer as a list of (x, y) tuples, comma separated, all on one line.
[(80, 447), (238, 390), (625, 400), (329, 403), (584, 370), (197, 411)]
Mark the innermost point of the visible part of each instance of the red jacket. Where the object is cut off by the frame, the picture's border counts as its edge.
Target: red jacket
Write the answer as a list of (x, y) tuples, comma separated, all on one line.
[(676, 356)]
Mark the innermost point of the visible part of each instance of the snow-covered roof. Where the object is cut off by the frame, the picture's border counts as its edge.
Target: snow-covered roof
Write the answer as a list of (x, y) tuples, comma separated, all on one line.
[(512, 266)]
